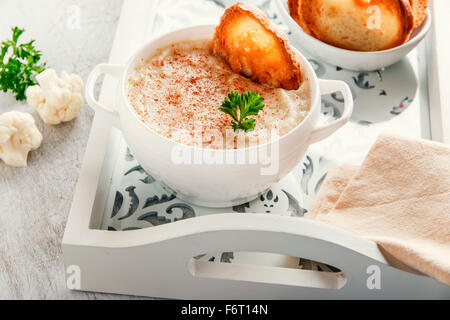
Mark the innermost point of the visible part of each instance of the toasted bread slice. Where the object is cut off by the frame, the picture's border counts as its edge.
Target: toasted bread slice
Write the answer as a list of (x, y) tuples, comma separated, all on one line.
[(295, 9), (419, 11), (252, 46), (361, 25)]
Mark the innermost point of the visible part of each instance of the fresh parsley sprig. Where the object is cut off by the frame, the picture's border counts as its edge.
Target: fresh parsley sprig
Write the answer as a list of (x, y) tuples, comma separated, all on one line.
[(18, 64), (248, 104)]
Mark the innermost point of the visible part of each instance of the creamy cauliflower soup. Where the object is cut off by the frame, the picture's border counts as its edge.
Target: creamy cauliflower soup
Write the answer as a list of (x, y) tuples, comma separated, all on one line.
[(177, 92)]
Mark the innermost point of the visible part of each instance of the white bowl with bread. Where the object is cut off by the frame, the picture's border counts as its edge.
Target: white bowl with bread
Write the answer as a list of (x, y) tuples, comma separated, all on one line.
[(248, 45), (359, 35)]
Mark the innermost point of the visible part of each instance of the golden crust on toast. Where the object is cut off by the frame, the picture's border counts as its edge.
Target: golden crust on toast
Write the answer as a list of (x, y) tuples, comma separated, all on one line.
[(295, 12), (361, 25), (419, 11), (252, 46)]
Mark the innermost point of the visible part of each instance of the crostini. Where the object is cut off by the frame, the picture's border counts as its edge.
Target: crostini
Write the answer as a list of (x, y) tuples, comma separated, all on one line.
[(360, 25), (254, 47)]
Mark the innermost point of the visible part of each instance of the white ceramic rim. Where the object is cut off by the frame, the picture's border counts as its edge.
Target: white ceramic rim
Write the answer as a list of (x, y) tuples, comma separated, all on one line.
[(314, 90), (425, 27)]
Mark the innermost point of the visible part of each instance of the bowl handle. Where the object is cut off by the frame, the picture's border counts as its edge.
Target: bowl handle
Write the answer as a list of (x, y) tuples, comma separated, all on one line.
[(326, 87), (114, 70)]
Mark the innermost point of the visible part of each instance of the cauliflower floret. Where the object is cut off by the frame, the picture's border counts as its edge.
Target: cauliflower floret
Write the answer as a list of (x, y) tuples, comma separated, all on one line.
[(56, 99), (18, 136)]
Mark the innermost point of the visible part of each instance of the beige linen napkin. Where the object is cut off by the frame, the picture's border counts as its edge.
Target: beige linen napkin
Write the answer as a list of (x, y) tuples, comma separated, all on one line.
[(399, 198)]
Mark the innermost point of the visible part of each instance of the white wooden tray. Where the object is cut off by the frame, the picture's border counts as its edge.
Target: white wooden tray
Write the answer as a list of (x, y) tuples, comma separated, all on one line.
[(126, 235)]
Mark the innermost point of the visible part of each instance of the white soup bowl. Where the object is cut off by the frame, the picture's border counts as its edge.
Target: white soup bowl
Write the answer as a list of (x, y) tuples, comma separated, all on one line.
[(214, 184)]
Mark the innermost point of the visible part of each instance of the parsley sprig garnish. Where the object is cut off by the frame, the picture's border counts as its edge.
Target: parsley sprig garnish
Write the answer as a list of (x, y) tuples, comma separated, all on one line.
[(18, 64), (248, 104)]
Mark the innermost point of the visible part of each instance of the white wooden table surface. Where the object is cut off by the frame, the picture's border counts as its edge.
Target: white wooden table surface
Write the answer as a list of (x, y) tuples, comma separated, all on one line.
[(35, 201)]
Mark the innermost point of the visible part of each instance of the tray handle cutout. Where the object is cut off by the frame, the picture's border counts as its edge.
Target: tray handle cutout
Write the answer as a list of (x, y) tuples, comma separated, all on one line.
[(267, 274)]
